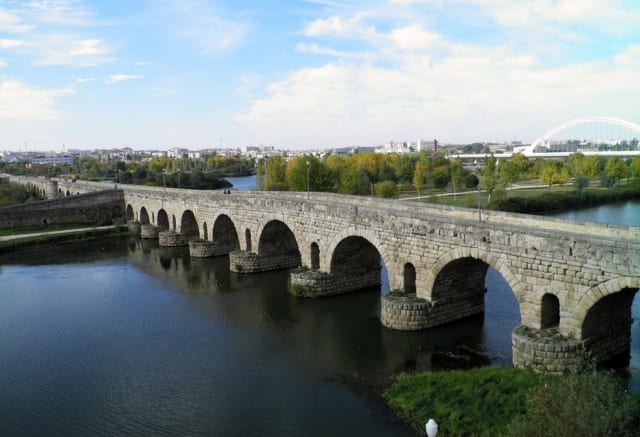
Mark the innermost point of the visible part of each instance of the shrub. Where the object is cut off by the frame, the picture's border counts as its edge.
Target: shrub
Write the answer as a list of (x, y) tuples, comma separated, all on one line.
[(386, 189), (593, 404)]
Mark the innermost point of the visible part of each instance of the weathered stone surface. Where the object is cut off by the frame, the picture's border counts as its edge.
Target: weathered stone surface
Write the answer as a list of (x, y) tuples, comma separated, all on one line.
[(149, 231), (171, 239)]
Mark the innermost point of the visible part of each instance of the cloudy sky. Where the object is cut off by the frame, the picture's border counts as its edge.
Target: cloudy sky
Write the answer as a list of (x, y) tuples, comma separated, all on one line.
[(315, 73)]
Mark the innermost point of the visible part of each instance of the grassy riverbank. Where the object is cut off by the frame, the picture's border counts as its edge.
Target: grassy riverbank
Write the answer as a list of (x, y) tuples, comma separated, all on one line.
[(541, 200), (84, 234), (492, 401)]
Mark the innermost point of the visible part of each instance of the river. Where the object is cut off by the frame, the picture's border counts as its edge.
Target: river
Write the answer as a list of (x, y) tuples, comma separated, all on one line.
[(124, 337)]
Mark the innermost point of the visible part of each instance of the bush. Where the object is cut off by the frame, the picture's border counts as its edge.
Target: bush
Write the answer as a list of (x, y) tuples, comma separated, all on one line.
[(580, 183), (386, 189), (593, 404), (478, 402)]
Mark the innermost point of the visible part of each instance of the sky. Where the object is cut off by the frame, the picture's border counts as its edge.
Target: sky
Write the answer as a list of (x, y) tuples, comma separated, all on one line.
[(153, 74)]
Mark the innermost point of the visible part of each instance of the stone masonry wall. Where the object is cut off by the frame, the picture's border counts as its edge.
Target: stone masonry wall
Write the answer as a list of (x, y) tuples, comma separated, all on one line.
[(94, 208), (250, 262), (313, 283)]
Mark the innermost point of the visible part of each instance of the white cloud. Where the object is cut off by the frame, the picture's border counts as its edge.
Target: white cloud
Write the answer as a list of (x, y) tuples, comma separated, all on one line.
[(10, 43), (63, 49), (85, 79), (114, 78), (413, 37), (317, 50), (207, 29), (12, 23), (475, 92), (341, 28), (59, 12), (20, 101), (2, 63)]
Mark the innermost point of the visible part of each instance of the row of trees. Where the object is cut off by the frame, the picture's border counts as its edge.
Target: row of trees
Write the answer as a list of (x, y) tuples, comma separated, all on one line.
[(158, 171), (366, 173), (385, 175)]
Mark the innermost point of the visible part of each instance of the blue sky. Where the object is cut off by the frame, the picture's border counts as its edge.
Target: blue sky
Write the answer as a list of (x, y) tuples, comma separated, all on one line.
[(307, 74)]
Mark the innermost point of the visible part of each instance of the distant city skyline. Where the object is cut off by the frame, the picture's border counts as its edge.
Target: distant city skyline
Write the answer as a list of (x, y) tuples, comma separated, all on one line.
[(153, 74)]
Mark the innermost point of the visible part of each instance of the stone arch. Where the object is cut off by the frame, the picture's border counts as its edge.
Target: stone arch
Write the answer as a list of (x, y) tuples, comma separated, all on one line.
[(144, 216), (606, 328), (68, 193), (358, 259), (247, 239), (163, 220), (173, 222), (129, 212), (409, 278), (224, 233), (153, 217), (591, 297), (315, 256), (353, 232), (189, 225), (205, 231), (116, 212), (488, 259), (550, 311), (276, 238)]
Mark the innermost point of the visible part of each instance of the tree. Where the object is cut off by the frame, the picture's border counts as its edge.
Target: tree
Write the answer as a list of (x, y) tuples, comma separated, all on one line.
[(591, 166), (456, 172), (471, 181), (490, 179), (580, 183), (616, 169), (404, 168), (275, 176), (635, 167), (418, 176), (353, 181), (575, 164), (554, 173), (386, 189), (509, 172)]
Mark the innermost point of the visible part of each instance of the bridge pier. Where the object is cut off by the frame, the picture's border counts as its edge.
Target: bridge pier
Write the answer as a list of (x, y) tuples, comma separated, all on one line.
[(207, 249), (314, 283), (171, 239), (134, 226), (250, 262), (149, 232)]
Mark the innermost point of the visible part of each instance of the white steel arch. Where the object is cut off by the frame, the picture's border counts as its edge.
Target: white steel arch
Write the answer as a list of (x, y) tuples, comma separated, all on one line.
[(580, 120)]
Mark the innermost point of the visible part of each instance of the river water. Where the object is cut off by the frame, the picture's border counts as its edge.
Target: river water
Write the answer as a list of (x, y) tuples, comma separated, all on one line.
[(124, 337)]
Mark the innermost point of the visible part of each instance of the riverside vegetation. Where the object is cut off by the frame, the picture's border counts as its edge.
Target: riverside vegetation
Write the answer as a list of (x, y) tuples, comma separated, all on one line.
[(493, 401)]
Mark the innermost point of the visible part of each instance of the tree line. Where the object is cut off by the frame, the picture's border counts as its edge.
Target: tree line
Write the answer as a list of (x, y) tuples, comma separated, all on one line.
[(207, 173), (385, 175)]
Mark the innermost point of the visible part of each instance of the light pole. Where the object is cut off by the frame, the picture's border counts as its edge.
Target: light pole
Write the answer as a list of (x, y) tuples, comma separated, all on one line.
[(431, 428), (479, 206), (308, 167)]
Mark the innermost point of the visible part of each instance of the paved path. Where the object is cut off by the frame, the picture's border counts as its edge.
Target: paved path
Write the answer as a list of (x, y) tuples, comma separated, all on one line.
[(63, 232)]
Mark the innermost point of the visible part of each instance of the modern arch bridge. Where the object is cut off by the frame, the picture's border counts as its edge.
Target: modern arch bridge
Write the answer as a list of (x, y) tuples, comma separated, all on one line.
[(574, 281)]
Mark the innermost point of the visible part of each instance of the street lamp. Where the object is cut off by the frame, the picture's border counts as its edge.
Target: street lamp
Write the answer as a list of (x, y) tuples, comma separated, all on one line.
[(432, 428), (308, 167), (479, 205)]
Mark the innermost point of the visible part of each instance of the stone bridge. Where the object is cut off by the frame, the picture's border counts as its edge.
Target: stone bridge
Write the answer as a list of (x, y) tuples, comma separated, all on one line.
[(574, 282)]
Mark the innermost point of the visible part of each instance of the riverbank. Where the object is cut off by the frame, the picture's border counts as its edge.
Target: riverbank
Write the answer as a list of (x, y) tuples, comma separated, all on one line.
[(492, 401), (14, 241)]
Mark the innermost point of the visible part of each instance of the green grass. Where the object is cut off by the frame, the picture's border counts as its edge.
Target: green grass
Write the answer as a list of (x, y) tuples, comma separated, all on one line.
[(92, 234), (477, 402), (41, 228)]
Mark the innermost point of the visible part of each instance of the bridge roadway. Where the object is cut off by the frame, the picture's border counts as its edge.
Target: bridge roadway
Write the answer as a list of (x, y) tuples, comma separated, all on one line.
[(574, 281)]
